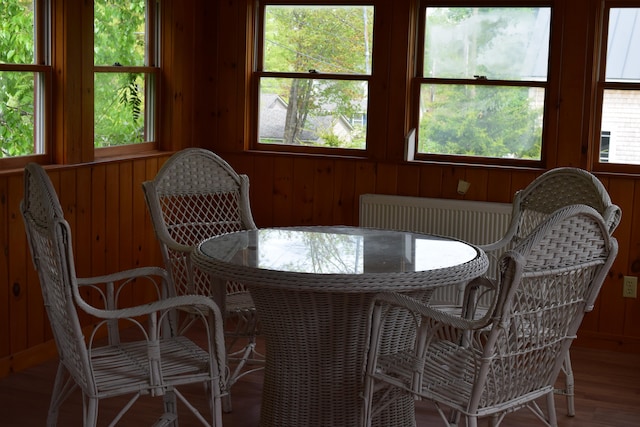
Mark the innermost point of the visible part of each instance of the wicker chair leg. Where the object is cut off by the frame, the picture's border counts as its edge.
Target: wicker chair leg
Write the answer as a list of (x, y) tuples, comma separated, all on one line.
[(226, 403), (551, 409), (569, 385), (454, 417), (90, 409), (246, 354), (57, 396), (170, 408)]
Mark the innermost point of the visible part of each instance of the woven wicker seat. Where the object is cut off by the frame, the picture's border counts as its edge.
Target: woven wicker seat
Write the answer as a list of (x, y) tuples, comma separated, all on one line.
[(512, 355), (155, 362), (197, 195), (556, 188)]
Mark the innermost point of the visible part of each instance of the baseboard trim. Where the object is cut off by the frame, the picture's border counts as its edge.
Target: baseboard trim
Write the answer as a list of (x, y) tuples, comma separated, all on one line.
[(27, 358), (37, 354), (623, 344)]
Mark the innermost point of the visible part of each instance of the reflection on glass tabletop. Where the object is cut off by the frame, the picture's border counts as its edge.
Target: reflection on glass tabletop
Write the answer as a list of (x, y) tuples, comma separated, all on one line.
[(338, 250)]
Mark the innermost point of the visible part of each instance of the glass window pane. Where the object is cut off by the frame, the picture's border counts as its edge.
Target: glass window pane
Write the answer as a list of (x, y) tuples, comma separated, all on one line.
[(119, 32), (16, 32), (479, 120), (620, 129), (326, 39), (623, 45), (308, 112), (119, 109), (16, 114), (496, 43)]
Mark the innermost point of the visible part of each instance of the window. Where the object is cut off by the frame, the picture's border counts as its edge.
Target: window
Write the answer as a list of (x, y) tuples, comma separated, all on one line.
[(24, 77), (312, 76), (619, 88), (482, 83), (125, 71)]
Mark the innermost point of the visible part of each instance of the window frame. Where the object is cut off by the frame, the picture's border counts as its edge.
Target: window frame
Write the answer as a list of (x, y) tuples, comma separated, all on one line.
[(418, 81), (151, 71), (42, 70), (601, 85), (258, 72)]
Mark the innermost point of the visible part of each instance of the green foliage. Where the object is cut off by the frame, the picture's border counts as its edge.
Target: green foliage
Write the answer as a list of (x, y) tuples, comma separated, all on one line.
[(16, 88), (119, 31), (486, 121), (119, 39), (119, 109), (16, 32), (483, 120)]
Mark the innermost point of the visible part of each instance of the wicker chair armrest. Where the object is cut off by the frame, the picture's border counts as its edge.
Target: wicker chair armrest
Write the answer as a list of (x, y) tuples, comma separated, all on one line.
[(419, 308), (162, 304), (124, 275), (178, 247), (497, 245), (474, 291), (612, 217), (157, 276), (183, 301)]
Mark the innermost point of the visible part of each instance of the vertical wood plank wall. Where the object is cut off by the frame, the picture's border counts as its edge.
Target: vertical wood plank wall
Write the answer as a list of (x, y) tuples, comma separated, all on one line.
[(204, 104), (105, 207)]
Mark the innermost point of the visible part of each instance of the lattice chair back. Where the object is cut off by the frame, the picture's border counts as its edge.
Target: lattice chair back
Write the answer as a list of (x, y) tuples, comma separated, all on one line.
[(196, 195), (551, 191), (49, 240)]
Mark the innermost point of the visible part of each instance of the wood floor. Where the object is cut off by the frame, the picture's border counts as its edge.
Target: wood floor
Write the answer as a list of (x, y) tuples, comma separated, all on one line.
[(607, 394)]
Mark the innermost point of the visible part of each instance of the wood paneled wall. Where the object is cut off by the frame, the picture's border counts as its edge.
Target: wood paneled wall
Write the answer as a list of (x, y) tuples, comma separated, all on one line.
[(105, 208), (204, 103)]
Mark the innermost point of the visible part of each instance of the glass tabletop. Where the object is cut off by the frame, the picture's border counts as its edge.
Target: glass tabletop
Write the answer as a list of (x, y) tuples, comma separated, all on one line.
[(338, 250)]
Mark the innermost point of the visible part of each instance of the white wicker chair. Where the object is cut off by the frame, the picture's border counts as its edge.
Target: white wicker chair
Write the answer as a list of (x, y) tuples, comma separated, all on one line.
[(155, 362), (194, 196), (554, 189), (512, 355)]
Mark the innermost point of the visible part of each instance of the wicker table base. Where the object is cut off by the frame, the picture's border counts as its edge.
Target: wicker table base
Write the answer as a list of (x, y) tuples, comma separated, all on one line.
[(315, 346)]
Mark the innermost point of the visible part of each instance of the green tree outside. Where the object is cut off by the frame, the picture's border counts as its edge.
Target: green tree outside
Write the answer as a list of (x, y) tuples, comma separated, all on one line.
[(119, 39), (487, 120), (119, 31), (16, 88), (315, 39)]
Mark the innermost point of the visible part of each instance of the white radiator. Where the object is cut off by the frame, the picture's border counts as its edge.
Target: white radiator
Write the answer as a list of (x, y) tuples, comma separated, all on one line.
[(472, 221)]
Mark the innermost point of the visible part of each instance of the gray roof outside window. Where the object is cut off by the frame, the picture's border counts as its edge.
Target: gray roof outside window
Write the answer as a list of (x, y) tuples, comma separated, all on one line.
[(623, 45)]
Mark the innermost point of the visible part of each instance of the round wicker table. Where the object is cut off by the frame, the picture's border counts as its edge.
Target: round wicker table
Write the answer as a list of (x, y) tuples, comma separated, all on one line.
[(312, 288)]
